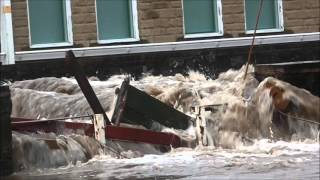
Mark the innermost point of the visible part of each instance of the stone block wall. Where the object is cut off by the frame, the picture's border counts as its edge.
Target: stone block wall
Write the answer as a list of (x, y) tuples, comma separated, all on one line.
[(20, 24), (301, 16), (162, 20), (84, 22), (233, 17)]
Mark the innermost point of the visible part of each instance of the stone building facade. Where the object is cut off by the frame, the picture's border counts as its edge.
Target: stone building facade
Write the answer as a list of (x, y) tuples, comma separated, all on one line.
[(164, 21)]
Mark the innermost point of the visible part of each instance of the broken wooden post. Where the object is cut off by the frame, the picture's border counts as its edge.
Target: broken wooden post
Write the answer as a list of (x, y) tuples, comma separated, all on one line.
[(137, 107), (201, 126), (85, 85), (199, 134), (5, 132), (99, 128)]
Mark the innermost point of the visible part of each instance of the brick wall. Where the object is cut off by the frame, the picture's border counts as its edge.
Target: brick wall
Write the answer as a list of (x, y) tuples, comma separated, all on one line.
[(233, 17), (301, 16), (20, 24), (84, 22), (160, 21)]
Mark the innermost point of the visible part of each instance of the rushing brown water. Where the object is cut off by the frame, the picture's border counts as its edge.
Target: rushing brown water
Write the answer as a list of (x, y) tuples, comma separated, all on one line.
[(245, 137)]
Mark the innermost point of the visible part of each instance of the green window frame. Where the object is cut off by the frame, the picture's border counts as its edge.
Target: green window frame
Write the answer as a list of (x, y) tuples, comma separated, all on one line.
[(271, 18), (202, 18), (117, 21), (49, 23)]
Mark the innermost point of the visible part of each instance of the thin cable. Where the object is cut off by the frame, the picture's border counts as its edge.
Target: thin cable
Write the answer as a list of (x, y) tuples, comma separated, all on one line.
[(298, 118), (253, 39), (54, 119)]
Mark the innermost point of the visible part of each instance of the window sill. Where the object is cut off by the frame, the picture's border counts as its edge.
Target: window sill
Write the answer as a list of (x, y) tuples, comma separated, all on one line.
[(51, 45), (201, 35), (265, 31), (118, 40)]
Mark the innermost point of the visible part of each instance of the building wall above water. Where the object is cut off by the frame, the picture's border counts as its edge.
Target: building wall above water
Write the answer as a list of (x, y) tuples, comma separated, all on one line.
[(149, 21)]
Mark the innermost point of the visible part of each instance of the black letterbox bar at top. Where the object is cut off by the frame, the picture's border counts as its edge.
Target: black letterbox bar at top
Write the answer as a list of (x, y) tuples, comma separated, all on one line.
[(137, 107)]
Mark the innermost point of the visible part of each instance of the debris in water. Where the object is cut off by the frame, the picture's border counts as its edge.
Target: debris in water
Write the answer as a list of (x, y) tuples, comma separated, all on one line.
[(249, 113)]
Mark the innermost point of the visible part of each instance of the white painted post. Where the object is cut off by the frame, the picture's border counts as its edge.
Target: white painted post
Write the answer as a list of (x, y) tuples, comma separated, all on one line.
[(203, 125), (198, 125), (99, 128), (7, 44)]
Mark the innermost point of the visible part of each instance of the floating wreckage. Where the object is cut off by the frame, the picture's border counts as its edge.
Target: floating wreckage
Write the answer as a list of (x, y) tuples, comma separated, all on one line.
[(132, 106), (140, 118)]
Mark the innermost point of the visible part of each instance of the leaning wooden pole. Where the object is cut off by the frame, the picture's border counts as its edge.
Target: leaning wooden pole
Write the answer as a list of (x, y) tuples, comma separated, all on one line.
[(85, 85), (253, 39), (6, 167)]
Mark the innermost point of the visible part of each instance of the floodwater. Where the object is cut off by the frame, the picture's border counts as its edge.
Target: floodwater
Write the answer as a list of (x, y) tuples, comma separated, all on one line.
[(263, 160), (244, 139)]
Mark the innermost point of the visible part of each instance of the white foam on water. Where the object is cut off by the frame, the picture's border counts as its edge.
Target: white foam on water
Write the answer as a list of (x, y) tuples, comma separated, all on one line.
[(241, 130)]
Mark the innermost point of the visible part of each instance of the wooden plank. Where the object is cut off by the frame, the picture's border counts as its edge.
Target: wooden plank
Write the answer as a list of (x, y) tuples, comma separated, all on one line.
[(287, 68), (303, 74), (144, 136), (85, 85), (137, 107), (112, 132)]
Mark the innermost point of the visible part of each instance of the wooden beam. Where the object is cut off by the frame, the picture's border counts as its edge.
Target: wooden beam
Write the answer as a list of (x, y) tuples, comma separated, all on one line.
[(85, 86), (111, 132), (137, 107)]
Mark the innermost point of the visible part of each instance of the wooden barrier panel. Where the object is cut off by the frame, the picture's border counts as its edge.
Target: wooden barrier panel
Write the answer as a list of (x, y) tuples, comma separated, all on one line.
[(111, 132), (137, 107)]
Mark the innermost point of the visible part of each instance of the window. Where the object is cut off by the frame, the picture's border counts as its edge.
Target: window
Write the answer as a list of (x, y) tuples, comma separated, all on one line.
[(202, 18), (117, 21), (271, 19), (49, 23)]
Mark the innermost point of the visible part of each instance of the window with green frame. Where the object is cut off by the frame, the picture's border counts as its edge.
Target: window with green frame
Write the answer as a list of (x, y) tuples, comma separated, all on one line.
[(48, 22), (202, 17), (270, 18), (115, 20)]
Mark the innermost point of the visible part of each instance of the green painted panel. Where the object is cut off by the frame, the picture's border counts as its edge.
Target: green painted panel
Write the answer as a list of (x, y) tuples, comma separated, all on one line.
[(47, 22), (269, 15), (140, 108), (200, 16), (114, 19)]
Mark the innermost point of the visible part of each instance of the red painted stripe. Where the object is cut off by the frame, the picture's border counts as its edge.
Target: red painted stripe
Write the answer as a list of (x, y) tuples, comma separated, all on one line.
[(141, 135), (112, 132)]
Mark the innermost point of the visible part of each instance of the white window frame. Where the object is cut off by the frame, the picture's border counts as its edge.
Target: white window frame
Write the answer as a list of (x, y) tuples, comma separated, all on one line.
[(135, 27), (280, 20), (7, 53), (68, 19), (201, 35)]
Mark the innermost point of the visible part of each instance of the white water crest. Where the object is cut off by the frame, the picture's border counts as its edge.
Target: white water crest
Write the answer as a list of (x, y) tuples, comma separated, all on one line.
[(244, 128)]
